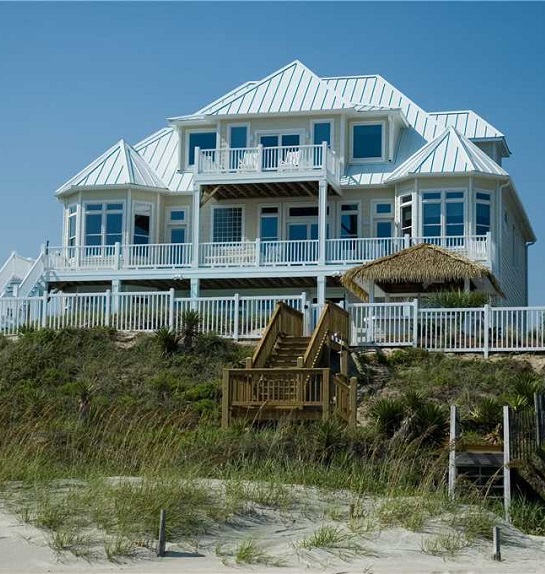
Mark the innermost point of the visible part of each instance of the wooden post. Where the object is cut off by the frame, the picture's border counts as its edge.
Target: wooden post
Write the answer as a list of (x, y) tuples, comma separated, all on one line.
[(452, 454), (496, 543), (162, 533), (344, 362), (353, 401), (225, 402), (326, 394), (506, 462)]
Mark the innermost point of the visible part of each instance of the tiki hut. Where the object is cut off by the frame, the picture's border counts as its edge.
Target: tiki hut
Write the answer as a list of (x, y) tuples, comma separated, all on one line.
[(422, 268)]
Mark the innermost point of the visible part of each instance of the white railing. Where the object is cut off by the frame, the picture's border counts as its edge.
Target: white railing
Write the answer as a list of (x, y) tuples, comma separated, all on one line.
[(484, 330), (304, 252), (232, 254), (474, 247), (15, 267), (32, 278), (89, 257), (279, 159), (156, 256), (358, 250)]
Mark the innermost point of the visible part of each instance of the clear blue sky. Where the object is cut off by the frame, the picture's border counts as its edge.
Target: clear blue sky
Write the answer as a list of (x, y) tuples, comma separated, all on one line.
[(77, 77)]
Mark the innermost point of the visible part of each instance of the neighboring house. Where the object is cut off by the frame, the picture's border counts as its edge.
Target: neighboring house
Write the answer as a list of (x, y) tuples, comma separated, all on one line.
[(282, 185)]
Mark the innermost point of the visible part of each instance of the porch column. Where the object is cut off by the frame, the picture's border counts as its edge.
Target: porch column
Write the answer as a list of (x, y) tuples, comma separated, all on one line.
[(320, 290), (195, 227), (322, 221), (194, 292)]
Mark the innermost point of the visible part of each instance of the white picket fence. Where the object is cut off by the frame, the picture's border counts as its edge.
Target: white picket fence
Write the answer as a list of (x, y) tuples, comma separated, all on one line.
[(482, 330)]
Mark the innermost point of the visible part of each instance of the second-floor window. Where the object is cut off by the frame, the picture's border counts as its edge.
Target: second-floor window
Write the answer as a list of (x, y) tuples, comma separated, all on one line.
[(103, 223), (349, 220), (142, 223), (72, 225), (442, 213), (383, 219), (269, 224), (406, 215), (176, 225), (367, 142), (202, 140), (483, 210)]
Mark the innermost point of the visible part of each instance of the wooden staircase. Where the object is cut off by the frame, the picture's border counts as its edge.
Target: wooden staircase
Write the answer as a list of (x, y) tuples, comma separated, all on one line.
[(290, 374), (288, 351)]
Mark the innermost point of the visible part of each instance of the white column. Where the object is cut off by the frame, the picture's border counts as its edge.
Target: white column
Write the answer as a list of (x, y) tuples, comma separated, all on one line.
[(195, 288), (322, 221), (116, 288), (320, 290), (195, 226)]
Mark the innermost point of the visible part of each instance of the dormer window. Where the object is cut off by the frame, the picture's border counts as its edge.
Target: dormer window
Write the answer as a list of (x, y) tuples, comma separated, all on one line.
[(202, 140), (367, 142)]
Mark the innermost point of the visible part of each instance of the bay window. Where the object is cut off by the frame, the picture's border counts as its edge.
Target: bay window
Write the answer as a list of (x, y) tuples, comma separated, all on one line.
[(443, 213), (103, 223)]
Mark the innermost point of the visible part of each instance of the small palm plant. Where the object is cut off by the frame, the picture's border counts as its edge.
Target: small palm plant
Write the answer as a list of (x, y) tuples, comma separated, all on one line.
[(190, 321), (168, 340)]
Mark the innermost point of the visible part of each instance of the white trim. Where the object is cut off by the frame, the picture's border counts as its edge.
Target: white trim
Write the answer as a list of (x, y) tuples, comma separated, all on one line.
[(228, 205), (380, 159)]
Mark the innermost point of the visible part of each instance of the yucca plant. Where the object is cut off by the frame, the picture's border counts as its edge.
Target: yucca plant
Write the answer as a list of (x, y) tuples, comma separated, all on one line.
[(190, 321), (168, 340)]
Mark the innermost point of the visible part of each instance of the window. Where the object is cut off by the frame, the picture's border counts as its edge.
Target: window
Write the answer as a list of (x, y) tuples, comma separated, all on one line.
[(142, 224), (72, 225), (321, 132), (406, 218), (238, 136), (203, 140), (367, 142), (349, 220), (103, 223), (483, 213), (176, 225), (443, 213), (383, 219), (227, 224), (269, 224)]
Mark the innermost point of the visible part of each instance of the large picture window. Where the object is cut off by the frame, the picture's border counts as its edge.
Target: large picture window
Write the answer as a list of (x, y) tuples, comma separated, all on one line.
[(443, 213), (103, 223), (483, 212), (227, 224)]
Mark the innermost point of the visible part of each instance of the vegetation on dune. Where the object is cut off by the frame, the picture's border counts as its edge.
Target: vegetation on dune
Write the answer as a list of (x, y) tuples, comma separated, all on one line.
[(77, 406)]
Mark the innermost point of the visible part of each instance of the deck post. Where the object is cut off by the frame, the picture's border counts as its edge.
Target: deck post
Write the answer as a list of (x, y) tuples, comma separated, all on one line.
[(326, 394), (117, 255), (43, 318), (320, 292), (194, 288), (454, 433), (107, 307), (195, 223), (353, 401), (225, 402), (506, 462), (322, 221), (258, 251)]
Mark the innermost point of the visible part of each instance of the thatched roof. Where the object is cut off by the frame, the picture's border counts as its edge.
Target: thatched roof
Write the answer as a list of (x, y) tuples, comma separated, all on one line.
[(423, 264)]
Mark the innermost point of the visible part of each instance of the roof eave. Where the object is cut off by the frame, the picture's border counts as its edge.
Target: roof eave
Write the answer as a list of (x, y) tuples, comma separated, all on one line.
[(401, 178), (116, 187)]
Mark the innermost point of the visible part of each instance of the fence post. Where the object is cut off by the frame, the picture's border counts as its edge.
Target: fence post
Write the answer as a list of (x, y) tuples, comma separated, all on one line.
[(326, 394), (486, 326), (225, 402), (171, 309), (415, 322), (107, 307), (353, 401), (236, 318), (496, 543), (452, 474), (161, 544), (43, 318), (506, 462)]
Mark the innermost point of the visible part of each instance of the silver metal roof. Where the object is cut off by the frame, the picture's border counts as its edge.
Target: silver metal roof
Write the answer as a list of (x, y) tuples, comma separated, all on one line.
[(468, 123), (293, 88), (376, 91), (120, 165), (449, 153)]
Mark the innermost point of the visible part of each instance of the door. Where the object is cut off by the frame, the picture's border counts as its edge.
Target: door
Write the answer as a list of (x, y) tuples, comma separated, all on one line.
[(271, 152)]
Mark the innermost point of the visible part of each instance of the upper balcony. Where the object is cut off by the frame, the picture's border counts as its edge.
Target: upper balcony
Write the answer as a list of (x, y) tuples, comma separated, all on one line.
[(252, 167)]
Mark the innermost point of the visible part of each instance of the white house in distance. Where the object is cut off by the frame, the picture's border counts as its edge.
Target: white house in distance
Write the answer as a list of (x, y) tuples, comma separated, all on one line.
[(279, 187)]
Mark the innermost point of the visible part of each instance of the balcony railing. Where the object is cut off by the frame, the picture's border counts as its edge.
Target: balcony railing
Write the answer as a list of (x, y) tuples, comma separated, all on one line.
[(253, 254), (267, 162)]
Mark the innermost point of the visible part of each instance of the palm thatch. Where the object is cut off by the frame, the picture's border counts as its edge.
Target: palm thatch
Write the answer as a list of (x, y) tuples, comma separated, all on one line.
[(423, 264)]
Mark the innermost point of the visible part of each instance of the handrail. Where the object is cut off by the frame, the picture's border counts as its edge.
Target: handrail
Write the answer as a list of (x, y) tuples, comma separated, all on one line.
[(333, 323), (285, 320), (345, 395)]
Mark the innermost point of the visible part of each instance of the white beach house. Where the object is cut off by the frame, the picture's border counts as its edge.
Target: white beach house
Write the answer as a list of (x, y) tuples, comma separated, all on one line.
[(279, 187)]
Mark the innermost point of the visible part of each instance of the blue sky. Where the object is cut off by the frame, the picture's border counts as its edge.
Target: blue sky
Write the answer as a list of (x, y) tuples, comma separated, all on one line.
[(77, 77)]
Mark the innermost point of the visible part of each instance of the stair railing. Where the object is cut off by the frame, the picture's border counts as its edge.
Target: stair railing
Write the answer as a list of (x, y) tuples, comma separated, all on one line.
[(332, 325), (284, 321)]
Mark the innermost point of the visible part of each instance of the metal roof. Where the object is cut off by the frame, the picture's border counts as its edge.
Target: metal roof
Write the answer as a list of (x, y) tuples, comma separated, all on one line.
[(468, 123), (376, 91), (160, 151), (120, 165), (293, 88), (449, 153)]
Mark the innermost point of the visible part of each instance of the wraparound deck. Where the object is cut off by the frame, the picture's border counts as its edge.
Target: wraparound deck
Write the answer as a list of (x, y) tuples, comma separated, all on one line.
[(249, 255)]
